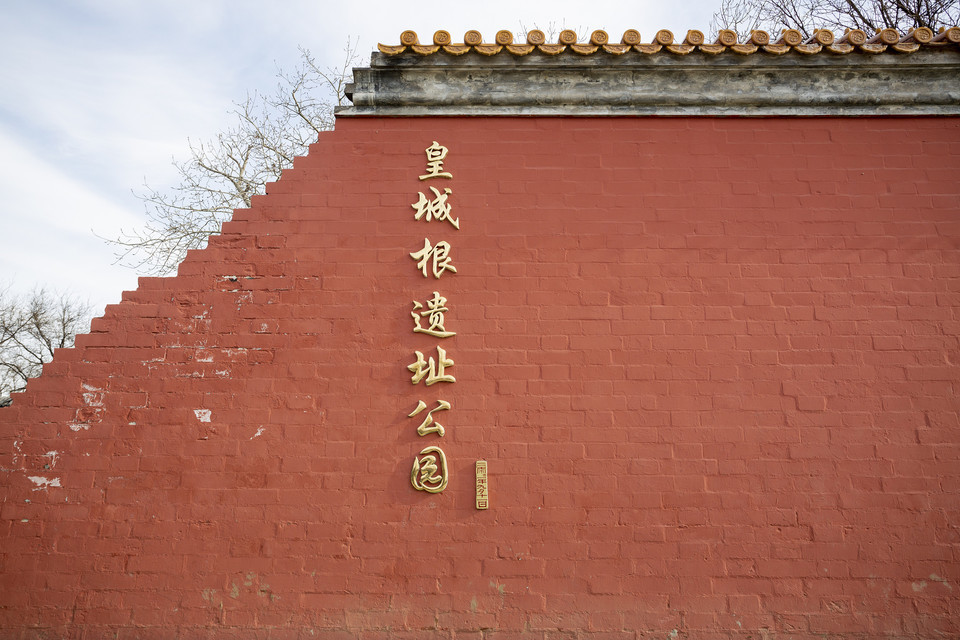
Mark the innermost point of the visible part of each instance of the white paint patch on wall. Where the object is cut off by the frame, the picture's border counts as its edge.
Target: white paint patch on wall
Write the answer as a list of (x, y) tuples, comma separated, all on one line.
[(92, 396), (203, 415), (941, 580), (43, 483)]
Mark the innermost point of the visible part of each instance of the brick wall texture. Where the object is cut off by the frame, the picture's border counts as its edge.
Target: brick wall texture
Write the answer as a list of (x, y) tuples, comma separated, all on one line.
[(712, 365)]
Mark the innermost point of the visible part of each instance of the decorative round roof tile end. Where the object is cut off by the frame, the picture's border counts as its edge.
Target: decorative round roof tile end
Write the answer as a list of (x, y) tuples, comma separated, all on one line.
[(472, 38), (551, 49), (599, 37), (631, 37), (568, 37), (536, 37), (664, 37), (855, 37), (504, 37), (694, 37), (727, 37), (441, 38), (408, 38), (889, 36), (823, 37), (391, 50), (488, 49), (923, 35), (791, 37)]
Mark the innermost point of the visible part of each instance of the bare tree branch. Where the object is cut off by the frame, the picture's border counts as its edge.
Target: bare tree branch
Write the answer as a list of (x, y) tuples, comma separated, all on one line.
[(31, 329), (552, 32), (225, 173), (809, 15)]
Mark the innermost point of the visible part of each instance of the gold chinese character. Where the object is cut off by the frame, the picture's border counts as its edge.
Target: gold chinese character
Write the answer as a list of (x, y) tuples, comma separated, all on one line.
[(435, 209), (435, 155), (439, 254), (429, 471), (429, 425), (432, 370), (436, 308)]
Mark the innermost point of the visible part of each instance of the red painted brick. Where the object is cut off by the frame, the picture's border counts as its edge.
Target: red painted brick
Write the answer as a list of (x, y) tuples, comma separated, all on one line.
[(699, 416)]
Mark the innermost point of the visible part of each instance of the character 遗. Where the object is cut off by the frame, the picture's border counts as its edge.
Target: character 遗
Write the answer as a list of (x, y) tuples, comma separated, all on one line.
[(436, 308)]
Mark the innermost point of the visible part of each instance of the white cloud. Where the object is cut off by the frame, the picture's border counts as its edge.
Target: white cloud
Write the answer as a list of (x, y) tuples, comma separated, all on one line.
[(104, 92), (47, 220)]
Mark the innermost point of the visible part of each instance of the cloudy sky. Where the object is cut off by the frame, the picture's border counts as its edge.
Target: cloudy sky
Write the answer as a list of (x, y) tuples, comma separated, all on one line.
[(99, 95)]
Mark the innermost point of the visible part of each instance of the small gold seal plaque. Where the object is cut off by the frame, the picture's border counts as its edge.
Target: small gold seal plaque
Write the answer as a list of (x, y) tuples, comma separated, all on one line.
[(483, 493)]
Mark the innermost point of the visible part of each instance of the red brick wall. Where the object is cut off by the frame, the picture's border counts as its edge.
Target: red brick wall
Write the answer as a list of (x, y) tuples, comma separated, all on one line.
[(712, 364)]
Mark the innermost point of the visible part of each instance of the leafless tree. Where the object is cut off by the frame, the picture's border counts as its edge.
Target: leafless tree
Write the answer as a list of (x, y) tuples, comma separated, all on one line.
[(807, 15), (552, 31), (223, 174), (31, 327)]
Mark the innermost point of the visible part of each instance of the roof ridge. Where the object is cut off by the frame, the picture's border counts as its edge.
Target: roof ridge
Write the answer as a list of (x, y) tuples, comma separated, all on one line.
[(664, 40)]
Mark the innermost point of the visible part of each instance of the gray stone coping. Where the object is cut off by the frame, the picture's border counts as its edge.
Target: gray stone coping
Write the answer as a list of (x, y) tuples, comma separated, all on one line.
[(924, 82)]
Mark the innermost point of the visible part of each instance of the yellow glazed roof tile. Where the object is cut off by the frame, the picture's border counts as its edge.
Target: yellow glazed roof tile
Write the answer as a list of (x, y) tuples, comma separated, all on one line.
[(822, 42)]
